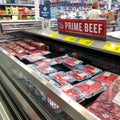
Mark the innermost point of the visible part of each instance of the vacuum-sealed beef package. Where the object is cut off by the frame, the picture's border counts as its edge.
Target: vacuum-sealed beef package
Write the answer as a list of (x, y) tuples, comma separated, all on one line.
[(107, 105)]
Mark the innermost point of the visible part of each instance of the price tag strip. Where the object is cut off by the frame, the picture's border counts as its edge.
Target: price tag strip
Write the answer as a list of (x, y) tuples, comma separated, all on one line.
[(54, 35), (70, 38), (112, 47), (86, 42)]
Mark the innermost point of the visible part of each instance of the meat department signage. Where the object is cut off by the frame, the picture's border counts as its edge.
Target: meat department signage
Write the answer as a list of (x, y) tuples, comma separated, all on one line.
[(86, 28)]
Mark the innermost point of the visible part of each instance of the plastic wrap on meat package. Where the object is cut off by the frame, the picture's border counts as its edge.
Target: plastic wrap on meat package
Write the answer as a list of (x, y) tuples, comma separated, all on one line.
[(45, 69), (72, 62), (92, 70), (12, 45), (79, 75), (46, 62), (105, 78), (72, 92), (28, 41), (62, 78), (61, 59), (42, 52), (39, 45), (89, 88), (34, 57)]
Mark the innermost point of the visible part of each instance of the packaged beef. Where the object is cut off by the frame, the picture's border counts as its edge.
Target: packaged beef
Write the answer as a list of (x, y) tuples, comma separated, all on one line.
[(10, 51), (72, 62), (71, 92), (12, 45), (39, 45), (29, 48), (105, 78), (90, 69), (19, 50), (89, 88), (21, 43), (21, 55), (45, 69), (4, 45), (79, 75), (42, 52), (107, 105), (34, 57), (28, 41), (62, 78), (46, 62), (61, 59)]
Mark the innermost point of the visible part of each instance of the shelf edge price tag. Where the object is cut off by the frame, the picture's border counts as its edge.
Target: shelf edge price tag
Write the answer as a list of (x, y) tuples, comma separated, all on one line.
[(86, 42), (112, 47), (70, 38), (53, 35)]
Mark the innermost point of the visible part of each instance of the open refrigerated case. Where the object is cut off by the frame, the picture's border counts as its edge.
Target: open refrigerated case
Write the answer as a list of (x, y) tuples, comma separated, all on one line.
[(18, 25), (32, 93)]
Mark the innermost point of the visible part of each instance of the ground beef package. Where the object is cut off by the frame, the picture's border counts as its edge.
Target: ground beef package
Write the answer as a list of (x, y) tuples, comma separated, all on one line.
[(107, 106)]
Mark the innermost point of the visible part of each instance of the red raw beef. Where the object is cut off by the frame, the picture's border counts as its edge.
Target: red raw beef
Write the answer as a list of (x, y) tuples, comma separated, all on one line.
[(42, 52), (46, 69), (12, 45), (90, 69), (78, 75), (27, 40), (21, 43), (89, 88), (61, 59), (62, 78), (106, 78), (19, 50), (107, 105), (29, 48), (72, 62), (43, 62), (10, 51), (39, 45), (72, 93), (34, 57)]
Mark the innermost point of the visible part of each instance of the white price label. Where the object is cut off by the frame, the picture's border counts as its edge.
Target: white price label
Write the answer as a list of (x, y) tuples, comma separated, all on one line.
[(66, 78), (82, 74), (89, 82), (96, 70), (77, 62), (107, 73), (117, 99)]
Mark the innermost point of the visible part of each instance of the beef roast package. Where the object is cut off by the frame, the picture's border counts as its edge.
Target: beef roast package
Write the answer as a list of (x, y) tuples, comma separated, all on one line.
[(107, 105)]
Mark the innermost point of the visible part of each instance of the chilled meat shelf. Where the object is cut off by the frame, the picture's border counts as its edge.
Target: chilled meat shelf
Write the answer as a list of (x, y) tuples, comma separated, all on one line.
[(48, 88)]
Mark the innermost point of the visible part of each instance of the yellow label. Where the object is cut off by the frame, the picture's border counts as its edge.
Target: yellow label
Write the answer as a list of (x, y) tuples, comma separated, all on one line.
[(53, 35), (112, 47), (70, 38), (25, 30), (86, 42)]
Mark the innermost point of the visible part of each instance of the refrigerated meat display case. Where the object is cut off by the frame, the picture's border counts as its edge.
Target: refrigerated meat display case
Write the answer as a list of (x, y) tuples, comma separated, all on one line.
[(32, 95)]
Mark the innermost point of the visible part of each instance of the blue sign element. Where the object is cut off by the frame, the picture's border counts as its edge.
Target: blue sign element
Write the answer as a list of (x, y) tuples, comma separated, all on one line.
[(45, 11)]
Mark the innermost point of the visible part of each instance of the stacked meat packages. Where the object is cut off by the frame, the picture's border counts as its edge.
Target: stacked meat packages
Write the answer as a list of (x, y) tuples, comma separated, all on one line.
[(70, 75), (107, 106)]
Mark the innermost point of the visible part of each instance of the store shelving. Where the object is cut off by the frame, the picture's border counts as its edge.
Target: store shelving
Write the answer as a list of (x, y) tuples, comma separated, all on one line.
[(22, 5), (19, 9), (10, 26)]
